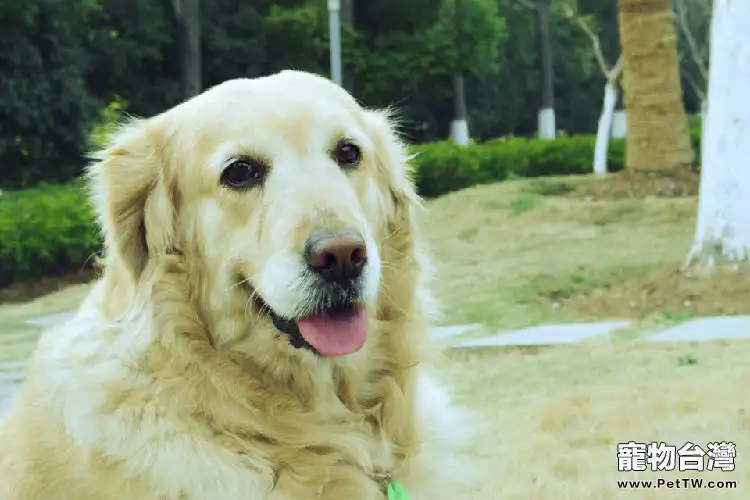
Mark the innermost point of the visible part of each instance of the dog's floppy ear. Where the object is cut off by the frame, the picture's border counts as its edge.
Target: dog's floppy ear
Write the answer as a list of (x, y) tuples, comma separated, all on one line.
[(131, 196), (393, 167), (408, 270)]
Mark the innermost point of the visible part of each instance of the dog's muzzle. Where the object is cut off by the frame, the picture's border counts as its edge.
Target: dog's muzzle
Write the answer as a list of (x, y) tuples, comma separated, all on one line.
[(332, 320)]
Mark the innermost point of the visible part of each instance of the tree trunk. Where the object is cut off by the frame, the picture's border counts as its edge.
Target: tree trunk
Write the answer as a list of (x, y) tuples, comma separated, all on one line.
[(547, 126), (620, 118), (187, 13), (657, 131), (460, 125), (723, 225), (605, 127), (334, 33), (347, 19)]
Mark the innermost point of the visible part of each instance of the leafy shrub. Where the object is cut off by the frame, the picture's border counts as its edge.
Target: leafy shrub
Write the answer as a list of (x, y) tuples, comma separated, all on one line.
[(615, 155), (442, 167), (696, 127), (564, 156), (103, 128), (45, 230)]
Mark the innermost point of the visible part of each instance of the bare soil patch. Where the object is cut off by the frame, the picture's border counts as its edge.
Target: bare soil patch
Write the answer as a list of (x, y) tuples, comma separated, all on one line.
[(668, 289), (639, 185)]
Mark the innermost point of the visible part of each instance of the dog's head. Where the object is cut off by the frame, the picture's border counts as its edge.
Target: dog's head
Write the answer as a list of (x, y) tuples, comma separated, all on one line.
[(289, 202)]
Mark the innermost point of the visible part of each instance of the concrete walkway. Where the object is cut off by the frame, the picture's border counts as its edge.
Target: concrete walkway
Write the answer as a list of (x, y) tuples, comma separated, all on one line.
[(547, 335), (696, 330)]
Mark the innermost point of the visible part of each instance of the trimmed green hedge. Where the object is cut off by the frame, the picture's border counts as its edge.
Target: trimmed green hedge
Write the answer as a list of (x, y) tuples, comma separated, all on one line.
[(442, 167), (49, 229), (45, 230)]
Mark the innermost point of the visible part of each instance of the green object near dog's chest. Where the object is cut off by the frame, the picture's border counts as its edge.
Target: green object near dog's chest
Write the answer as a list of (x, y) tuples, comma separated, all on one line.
[(396, 491)]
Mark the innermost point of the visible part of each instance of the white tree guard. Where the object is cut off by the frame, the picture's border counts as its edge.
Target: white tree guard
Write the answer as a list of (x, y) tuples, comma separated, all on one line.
[(723, 225)]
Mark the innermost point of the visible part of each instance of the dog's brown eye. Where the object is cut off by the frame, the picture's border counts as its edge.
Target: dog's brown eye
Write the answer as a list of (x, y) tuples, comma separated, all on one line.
[(243, 174), (347, 155)]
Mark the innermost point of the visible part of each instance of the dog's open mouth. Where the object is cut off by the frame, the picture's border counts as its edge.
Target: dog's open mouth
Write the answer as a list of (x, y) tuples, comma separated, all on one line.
[(336, 331)]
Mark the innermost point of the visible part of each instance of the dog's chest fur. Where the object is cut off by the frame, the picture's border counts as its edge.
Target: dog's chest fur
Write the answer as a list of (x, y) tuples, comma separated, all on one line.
[(184, 432), (332, 445), (361, 459), (125, 431)]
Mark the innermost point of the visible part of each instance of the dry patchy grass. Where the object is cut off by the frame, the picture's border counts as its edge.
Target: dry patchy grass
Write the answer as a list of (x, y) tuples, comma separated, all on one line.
[(510, 254), (556, 414)]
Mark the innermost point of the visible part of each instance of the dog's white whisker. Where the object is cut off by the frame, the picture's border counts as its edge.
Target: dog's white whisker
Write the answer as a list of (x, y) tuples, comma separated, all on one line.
[(399, 253), (239, 283), (389, 265)]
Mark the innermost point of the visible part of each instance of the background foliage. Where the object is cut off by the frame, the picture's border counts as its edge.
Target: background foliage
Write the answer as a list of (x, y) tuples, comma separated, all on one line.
[(69, 69), (61, 63)]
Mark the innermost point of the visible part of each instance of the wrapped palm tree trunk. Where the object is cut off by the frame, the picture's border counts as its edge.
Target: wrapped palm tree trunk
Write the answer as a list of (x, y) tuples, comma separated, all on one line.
[(657, 130)]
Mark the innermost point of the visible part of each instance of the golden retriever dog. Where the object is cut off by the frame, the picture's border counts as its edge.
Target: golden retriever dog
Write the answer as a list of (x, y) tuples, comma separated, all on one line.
[(259, 329)]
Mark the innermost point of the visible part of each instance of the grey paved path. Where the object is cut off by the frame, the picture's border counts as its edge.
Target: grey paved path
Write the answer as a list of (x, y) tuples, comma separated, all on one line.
[(10, 378), (547, 335), (8, 366), (51, 320), (705, 329), (7, 389), (446, 332), (5, 405)]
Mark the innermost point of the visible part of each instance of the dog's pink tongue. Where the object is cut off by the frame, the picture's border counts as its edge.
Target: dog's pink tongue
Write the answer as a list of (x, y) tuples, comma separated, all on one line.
[(335, 335)]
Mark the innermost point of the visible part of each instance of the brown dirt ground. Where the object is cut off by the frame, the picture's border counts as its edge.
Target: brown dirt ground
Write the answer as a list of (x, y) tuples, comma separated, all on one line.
[(639, 185), (725, 293), (30, 290)]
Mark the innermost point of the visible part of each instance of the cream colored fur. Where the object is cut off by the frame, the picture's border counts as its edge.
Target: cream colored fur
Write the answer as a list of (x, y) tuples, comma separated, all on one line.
[(167, 384)]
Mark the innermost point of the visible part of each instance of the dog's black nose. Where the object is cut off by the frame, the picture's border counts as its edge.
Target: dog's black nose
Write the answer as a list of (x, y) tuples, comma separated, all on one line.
[(336, 256)]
